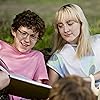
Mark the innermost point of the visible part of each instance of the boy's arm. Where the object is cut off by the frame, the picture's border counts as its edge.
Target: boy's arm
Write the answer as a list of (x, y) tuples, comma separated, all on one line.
[(4, 80)]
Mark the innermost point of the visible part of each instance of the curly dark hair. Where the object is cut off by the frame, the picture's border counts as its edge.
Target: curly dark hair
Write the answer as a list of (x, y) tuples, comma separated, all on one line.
[(30, 20)]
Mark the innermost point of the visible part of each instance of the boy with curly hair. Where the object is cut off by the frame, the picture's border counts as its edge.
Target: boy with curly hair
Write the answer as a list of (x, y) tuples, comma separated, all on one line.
[(27, 28)]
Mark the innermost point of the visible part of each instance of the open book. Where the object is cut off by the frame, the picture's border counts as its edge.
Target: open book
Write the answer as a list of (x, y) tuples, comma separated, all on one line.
[(25, 87)]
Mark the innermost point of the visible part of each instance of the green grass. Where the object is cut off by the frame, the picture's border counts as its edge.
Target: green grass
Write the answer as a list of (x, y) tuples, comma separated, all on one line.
[(46, 9)]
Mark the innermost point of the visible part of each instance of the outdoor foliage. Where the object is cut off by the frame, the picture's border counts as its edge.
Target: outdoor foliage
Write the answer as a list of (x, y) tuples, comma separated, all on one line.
[(46, 9)]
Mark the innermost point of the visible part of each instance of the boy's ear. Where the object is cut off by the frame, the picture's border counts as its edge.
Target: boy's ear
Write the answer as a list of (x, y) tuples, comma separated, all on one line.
[(13, 32)]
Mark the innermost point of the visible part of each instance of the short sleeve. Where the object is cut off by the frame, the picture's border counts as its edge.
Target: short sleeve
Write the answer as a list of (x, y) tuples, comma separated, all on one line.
[(96, 50), (55, 62), (96, 38)]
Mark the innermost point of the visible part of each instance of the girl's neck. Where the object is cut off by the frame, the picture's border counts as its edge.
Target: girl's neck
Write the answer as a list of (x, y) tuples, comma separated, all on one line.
[(74, 42)]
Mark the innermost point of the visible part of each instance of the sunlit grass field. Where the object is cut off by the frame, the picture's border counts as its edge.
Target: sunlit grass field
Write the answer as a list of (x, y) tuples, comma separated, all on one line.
[(46, 9)]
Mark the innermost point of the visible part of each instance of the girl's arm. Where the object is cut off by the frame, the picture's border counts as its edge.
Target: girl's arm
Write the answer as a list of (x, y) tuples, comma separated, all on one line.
[(53, 76)]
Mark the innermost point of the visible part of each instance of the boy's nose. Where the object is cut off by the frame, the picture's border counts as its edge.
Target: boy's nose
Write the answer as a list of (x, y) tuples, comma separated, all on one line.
[(27, 39)]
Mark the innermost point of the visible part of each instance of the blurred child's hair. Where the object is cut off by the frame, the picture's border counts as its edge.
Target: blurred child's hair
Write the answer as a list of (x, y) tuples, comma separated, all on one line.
[(71, 88)]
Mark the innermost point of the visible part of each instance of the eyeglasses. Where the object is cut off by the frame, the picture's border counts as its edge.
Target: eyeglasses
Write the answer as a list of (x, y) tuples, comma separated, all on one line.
[(25, 34)]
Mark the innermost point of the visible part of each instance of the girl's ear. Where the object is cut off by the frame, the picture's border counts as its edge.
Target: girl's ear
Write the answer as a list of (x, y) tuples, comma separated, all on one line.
[(13, 32)]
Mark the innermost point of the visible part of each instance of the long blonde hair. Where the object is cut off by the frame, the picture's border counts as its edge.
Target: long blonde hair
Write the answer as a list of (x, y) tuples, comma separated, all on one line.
[(74, 12)]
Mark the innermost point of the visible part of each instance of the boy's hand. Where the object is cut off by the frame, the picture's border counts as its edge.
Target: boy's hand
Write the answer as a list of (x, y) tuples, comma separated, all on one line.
[(4, 80)]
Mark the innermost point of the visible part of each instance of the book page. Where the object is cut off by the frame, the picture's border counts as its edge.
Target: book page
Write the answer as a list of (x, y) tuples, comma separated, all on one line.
[(3, 66), (3, 69), (25, 79)]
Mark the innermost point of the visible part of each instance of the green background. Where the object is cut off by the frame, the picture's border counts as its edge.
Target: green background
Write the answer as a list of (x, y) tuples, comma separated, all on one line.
[(46, 9)]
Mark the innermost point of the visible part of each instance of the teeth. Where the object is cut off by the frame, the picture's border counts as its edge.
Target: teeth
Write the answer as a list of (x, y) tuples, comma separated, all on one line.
[(25, 45)]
